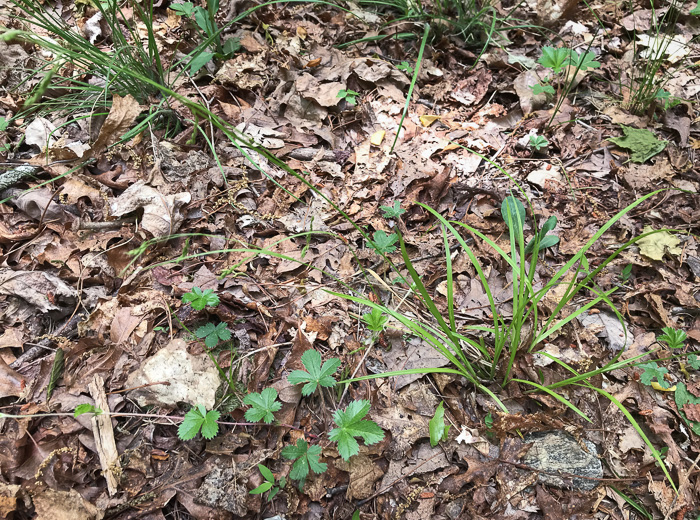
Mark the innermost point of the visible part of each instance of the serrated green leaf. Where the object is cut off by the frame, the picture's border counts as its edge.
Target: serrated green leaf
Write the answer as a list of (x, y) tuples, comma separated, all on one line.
[(653, 371), (263, 405), (537, 89), (205, 330), (210, 426), (674, 338), (375, 320), (307, 457), (350, 425), (394, 211), (191, 424), (384, 243), (317, 374), (694, 361), (56, 372), (199, 299), (642, 143), (554, 59), (583, 61)]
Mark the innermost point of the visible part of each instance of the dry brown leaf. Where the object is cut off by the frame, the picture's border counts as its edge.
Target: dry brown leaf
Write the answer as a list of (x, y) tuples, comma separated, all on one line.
[(122, 115)]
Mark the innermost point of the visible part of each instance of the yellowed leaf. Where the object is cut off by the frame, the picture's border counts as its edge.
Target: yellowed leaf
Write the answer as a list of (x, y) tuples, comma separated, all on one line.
[(377, 137), (657, 245), (428, 120)]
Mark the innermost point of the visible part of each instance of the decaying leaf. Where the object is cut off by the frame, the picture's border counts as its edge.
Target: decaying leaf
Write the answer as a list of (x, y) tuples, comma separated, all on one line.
[(657, 245), (162, 214)]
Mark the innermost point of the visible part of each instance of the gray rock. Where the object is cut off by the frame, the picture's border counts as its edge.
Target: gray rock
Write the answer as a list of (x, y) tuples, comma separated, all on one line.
[(559, 452)]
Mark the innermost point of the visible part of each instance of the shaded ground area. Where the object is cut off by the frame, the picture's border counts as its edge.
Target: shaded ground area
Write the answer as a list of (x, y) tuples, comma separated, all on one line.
[(173, 242)]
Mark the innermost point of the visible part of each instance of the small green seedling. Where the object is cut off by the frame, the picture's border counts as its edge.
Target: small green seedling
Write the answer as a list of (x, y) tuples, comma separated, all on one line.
[(199, 299), (350, 425), (538, 142), (488, 420), (666, 100), (4, 123), (554, 58), (694, 361), (375, 320), (394, 211), (683, 397), (543, 88), (205, 19), (212, 334), (198, 418), (437, 427), (350, 96), (626, 273), (306, 458), (673, 338), (405, 67), (86, 408), (316, 375), (263, 405), (269, 484), (383, 243), (513, 213), (652, 371)]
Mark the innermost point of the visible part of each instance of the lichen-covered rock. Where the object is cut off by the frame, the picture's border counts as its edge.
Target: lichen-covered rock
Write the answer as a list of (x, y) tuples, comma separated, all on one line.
[(558, 452)]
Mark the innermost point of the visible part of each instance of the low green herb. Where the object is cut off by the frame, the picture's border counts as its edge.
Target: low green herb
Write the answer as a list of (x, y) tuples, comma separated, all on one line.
[(437, 427), (652, 371), (375, 320), (350, 96), (394, 211), (538, 142), (673, 338), (212, 334), (383, 243), (306, 457), (316, 374), (199, 299), (351, 424), (263, 405), (86, 408), (269, 485), (198, 418)]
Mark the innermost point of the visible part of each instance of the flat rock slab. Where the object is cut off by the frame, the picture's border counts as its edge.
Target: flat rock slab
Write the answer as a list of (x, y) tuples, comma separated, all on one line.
[(558, 452)]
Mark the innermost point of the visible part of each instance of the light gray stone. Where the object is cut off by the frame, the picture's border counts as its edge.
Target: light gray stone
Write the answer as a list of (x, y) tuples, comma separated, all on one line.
[(558, 452)]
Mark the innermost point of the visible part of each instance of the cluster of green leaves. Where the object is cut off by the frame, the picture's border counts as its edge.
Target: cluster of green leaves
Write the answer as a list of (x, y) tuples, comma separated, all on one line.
[(350, 96), (270, 483), (316, 374), (199, 419), (205, 21), (513, 213), (383, 243), (561, 61), (653, 373), (350, 424), (538, 142), (210, 333), (199, 299)]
